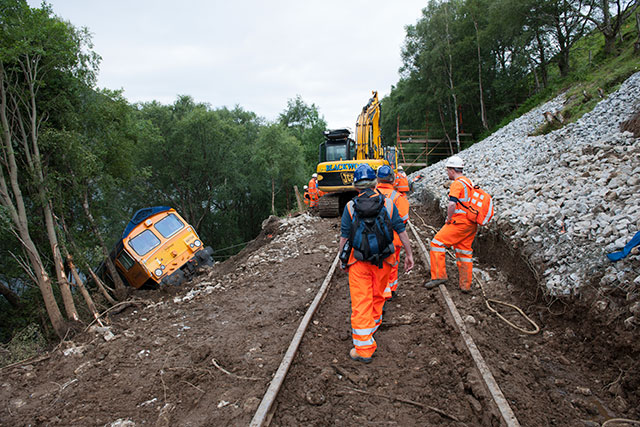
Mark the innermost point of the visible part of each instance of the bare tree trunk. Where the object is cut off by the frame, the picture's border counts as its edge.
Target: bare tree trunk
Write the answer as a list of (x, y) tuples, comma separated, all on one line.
[(609, 34), (543, 59), (444, 128), (483, 112), (273, 196), (453, 92), (298, 198), (13, 201), (636, 46), (65, 289), (80, 285), (11, 296), (121, 291), (535, 75), (100, 285), (288, 196)]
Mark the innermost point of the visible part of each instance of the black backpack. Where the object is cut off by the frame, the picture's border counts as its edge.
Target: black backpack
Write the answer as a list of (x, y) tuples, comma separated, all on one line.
[(371, 236)]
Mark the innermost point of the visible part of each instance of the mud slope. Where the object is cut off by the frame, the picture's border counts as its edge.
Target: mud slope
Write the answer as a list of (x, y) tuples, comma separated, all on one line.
[(204, 354)]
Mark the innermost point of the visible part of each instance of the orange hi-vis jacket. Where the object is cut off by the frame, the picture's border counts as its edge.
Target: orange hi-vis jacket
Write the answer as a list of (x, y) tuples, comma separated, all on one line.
[(401, 182), (460, 191), (401, 203), (403, 209), (313, 192), (459, 234)]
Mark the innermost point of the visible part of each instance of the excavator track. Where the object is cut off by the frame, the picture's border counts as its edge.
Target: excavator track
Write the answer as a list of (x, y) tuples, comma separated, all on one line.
[(329, 206)]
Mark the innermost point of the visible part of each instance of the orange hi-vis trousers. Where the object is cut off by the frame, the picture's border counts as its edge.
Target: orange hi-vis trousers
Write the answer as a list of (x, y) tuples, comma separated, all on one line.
[(393, 274), (460, 236), (366, 286)]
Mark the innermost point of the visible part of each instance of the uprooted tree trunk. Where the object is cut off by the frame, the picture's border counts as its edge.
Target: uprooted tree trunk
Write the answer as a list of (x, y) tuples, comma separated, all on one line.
[(75, 274), (101, 285), (83, 290), (121, 291)]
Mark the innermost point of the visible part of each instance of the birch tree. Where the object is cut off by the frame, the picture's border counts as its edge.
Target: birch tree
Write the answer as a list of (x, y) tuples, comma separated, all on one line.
[(38, 54)]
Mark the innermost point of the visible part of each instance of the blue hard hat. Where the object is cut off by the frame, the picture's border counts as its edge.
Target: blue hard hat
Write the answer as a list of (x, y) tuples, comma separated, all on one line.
[(384, 171), (363, 172)]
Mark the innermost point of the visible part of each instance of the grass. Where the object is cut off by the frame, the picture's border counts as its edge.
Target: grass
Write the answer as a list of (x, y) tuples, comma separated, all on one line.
[(592, 73)]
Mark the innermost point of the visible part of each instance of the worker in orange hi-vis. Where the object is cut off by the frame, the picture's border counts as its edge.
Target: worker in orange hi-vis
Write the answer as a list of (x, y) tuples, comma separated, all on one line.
[(401, 182), (458, 230), (385, 186), (313, 191), (367, 257), (306, 197)]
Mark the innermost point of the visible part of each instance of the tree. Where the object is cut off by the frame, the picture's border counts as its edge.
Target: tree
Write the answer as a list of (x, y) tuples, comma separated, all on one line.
[(279, 155), (607, 23), (305, 123), (565, 25), (38, 54)]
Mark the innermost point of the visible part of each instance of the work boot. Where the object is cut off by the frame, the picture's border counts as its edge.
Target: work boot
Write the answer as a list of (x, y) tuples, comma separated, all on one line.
[(433, 283), (393, 295), (353, 354), (465, 291)]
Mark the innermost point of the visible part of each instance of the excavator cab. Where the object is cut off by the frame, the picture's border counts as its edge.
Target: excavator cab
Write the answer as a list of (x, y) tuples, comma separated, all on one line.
[(340, 156), (337, 146), (391, 156)]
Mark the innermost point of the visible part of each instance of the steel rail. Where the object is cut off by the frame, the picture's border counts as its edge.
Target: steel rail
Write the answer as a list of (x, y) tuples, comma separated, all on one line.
[(501, 402), (270, 395)]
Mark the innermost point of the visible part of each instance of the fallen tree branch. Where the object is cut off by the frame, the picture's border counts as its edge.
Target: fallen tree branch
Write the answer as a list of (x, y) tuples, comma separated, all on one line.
[(233, 375), (127, 303), (407, 401), (353, 378)]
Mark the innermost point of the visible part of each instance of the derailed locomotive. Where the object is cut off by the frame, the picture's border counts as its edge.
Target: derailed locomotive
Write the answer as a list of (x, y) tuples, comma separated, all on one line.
[(157, 247)]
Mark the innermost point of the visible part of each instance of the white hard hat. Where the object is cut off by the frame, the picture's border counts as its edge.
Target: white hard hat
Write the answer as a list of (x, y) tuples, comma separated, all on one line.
[(400, 168), (454, 162), (315, 175), (306, 187)]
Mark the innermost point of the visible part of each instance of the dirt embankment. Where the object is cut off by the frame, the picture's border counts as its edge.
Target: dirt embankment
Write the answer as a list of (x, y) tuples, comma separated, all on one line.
[(204, 354)]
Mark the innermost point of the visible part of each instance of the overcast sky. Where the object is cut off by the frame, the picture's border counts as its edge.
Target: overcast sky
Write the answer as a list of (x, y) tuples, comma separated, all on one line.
[(256, 54)]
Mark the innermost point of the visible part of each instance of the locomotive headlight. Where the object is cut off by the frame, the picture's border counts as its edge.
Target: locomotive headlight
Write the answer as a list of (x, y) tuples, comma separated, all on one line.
[(158, 272), (197, 243)]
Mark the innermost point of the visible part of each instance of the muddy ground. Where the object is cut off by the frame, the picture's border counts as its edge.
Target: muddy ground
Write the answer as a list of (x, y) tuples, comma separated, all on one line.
[(203, 354)]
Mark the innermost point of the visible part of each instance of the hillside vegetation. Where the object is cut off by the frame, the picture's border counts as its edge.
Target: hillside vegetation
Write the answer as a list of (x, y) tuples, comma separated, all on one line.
[(467, 68)]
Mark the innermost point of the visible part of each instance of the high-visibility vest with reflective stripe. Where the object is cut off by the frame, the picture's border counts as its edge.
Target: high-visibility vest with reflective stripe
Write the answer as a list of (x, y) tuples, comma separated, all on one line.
[(401, 183), (394, 195)]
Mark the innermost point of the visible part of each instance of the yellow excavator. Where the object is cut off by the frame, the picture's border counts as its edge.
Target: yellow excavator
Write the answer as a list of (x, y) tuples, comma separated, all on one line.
[(340, 156)]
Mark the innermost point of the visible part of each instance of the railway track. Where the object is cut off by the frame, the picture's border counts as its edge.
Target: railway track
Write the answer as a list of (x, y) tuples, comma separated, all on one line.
[(429, 369)]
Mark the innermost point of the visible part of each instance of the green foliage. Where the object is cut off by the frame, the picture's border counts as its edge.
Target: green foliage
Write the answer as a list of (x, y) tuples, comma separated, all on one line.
[(26, 342), (305, 123), (515, 58), (279, 158)]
